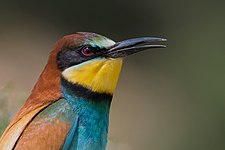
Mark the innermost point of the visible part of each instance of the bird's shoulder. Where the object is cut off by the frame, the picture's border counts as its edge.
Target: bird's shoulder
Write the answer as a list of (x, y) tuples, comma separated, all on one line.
[(48, 127)]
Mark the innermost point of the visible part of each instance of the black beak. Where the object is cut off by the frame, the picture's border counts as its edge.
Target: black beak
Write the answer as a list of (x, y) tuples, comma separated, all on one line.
[(131, 46)]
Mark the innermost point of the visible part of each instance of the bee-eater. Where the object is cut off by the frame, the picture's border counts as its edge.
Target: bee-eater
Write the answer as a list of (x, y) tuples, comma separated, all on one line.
[(69, 106)]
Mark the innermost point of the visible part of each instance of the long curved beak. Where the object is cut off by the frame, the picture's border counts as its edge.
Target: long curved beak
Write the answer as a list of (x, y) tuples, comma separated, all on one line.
[(131, 46)]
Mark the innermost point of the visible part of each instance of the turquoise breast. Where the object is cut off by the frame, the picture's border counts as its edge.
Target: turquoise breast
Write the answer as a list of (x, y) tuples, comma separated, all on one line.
[(92, 110)]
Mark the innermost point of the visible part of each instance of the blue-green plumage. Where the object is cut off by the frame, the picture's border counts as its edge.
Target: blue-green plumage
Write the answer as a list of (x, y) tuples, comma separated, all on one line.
[(59, 110), (70, 136), (87, 117), (93, 116)]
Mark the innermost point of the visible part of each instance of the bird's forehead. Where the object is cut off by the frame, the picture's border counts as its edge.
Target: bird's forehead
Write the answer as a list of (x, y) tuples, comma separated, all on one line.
[(94, 40), (101, 42), (87, 38)]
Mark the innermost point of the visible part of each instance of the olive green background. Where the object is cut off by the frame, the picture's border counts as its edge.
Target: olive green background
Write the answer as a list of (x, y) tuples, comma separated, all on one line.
[(166, 99)]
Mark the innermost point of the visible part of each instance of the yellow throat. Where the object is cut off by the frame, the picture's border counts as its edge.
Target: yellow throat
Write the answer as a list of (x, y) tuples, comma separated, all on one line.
[(99, 75)]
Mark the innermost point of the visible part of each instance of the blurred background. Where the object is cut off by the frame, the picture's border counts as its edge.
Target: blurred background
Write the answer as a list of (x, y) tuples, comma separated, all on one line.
[(166, 99)]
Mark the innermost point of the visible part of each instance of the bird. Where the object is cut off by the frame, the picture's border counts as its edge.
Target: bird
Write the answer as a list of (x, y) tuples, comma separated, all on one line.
[(69, 106)]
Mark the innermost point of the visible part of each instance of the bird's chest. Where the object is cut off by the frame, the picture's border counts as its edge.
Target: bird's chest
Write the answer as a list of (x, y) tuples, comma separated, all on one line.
[(91, 134), (92, 125), (92, 128)]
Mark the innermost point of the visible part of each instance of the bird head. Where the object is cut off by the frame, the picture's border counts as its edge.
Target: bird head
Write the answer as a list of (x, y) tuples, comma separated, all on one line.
[(94, 61)]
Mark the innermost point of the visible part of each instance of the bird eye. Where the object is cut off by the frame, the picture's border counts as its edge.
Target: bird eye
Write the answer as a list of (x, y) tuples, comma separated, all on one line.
[(87, 51)]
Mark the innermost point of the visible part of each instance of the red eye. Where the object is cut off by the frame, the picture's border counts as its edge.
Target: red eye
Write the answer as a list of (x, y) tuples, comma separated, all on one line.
[(87, 51)]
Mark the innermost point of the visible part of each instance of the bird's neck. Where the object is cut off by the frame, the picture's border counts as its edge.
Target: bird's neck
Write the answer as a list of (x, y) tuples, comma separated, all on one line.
[(93, 113)]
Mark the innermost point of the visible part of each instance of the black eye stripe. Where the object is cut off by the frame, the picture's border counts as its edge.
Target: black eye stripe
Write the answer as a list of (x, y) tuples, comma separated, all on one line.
[(73, 55)]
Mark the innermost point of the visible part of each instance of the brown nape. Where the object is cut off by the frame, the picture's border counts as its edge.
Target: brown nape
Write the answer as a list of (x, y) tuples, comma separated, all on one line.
[(47, 88)]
